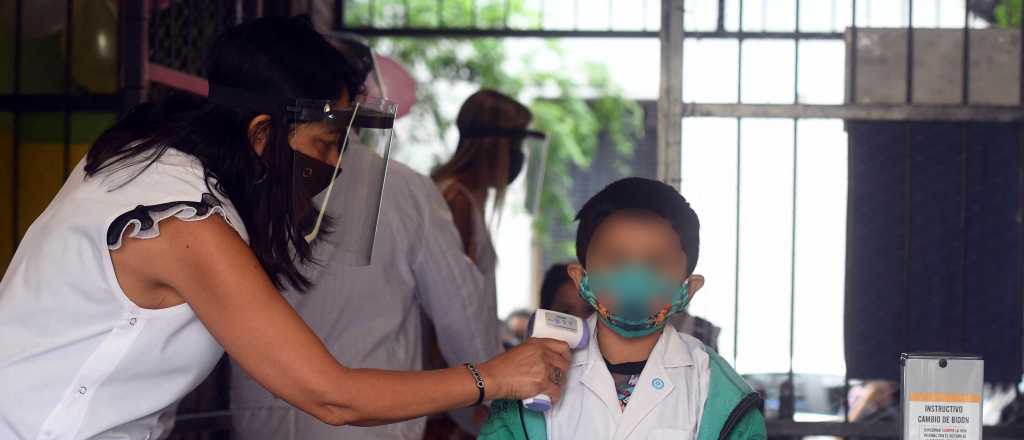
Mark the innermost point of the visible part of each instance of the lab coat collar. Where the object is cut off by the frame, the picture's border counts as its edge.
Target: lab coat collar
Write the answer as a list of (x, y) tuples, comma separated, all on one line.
[(653, 386), (675, 352), (595, 375), (670, 350)]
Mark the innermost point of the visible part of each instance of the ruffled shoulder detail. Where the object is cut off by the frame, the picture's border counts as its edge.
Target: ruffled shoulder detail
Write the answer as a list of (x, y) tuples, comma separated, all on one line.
[(144, 220)]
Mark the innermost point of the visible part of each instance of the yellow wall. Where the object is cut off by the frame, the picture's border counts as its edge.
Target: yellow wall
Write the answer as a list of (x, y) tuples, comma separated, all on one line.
[(40, 165)]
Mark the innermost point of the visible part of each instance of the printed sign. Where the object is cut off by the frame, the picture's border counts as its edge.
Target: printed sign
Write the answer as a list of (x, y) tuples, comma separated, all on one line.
[(944, 416), (942, 397)]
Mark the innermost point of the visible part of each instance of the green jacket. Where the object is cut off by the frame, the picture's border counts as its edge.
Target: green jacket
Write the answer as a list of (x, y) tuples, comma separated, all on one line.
[(731, 411)]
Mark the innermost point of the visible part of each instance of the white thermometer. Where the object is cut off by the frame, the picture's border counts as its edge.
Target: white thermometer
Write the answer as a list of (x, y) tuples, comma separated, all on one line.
[(563, 327)]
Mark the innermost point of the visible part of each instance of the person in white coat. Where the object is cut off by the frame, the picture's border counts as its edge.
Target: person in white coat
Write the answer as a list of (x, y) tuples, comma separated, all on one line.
[(637, 246)]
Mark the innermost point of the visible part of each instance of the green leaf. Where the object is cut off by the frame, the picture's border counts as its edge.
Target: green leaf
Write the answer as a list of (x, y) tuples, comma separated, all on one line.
[(1008, 13)]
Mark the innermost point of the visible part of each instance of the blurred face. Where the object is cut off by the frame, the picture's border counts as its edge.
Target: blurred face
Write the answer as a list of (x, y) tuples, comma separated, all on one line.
[(320, 140), (568, 300), (637, 238), (517, 325)]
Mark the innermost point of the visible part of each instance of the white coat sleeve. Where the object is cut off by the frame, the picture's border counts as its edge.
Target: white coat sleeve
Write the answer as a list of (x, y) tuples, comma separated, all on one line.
[(450, 287)]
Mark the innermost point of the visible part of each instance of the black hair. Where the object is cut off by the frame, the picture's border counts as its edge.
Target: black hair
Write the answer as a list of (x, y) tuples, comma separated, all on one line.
[(643, 195), (556, 276), (272, 56)]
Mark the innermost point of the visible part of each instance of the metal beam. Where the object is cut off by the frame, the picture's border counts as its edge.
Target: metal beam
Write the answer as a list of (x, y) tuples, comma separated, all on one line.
[(570, 33), (867, 112), (133, 52), (16, 129), (670, 96), (779, 428), (495, 33), (800, 429), (69, 51), (747, 35), (177, 79)]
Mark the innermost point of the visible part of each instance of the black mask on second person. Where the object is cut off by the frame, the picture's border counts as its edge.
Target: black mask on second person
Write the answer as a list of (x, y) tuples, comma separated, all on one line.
[(516, 157), (311, 177)]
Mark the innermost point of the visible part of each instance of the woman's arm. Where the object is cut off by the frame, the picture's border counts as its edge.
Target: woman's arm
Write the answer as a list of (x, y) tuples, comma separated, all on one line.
[(211, 268)]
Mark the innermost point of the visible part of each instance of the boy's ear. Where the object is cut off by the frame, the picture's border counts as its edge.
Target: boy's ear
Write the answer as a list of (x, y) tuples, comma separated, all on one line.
[(576, 272), (695, 283)]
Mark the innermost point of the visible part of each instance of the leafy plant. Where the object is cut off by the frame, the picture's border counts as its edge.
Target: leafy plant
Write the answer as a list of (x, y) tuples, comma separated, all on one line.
[(572, 109), (1008, 13)]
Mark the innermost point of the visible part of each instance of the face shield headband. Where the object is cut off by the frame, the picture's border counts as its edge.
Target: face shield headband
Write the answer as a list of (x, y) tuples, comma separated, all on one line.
[(363, 130)]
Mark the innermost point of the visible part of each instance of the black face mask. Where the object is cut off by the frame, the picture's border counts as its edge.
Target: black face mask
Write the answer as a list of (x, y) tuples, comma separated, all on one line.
[(311, 177), (516, 158)]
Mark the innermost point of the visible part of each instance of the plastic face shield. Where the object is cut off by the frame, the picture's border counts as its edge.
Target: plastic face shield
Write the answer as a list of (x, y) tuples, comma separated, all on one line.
[(535, 151), (526, 163), (343, 197)]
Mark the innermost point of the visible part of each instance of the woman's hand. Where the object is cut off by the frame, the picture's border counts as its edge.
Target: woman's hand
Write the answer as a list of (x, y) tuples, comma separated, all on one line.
[(528, 370)]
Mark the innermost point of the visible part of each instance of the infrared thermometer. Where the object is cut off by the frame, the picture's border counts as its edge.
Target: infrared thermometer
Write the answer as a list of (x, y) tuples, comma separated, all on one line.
[(554, 325)]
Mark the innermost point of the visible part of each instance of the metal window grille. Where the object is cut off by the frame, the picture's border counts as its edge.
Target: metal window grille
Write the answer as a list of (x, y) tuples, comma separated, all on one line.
[(672, 68)]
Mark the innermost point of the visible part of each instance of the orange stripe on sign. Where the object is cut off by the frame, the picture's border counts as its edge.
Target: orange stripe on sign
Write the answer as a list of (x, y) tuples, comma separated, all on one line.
[(945, 397)]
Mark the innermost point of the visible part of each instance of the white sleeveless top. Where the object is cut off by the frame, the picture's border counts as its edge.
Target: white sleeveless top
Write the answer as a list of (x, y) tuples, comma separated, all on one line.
[(78, 359)]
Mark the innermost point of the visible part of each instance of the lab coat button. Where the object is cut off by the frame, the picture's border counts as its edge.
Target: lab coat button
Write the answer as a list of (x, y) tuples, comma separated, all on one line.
[(83, 390), (657, 383), (132, 321)]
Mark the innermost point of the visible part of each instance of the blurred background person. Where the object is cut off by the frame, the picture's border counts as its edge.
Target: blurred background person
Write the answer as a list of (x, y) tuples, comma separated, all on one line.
[(698, 327), (487, 160), (558, 293), (513, 332)]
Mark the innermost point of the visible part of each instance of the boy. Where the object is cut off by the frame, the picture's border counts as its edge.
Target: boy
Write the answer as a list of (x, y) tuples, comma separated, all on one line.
[(637, 245)]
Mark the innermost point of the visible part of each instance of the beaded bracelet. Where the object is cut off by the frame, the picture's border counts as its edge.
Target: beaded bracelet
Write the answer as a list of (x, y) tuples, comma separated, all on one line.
[(479, 381)]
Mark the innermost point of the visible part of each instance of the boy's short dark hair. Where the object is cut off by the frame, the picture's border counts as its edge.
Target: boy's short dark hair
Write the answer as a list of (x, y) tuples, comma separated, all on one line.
[(643, 195)]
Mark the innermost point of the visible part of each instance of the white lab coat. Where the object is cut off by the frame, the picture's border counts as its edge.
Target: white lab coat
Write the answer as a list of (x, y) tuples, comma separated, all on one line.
[(667, 403)]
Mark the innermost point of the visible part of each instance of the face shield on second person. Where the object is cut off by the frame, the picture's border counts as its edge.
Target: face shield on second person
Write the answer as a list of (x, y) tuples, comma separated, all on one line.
[(355, 181), (535, 150), (324, 174), (527, 158)]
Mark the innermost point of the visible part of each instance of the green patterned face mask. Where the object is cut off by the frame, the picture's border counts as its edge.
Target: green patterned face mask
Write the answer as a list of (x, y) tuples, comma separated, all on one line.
[(637, 300)]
